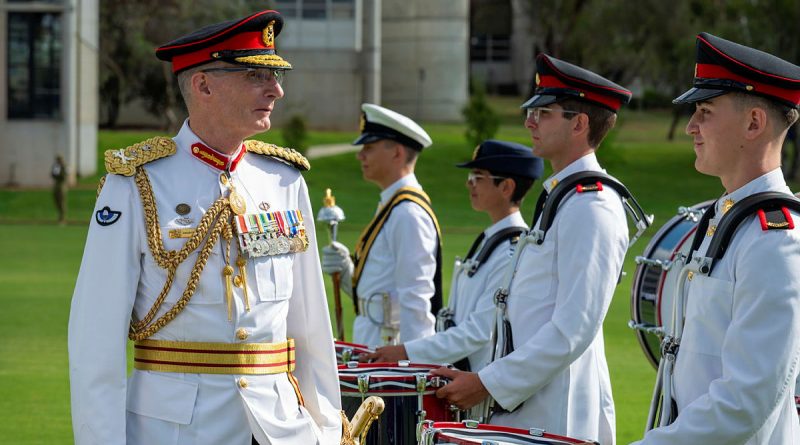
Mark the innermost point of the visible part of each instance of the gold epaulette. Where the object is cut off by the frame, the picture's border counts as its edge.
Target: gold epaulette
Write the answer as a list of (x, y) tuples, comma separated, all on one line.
[(287, 155), (124, 161)]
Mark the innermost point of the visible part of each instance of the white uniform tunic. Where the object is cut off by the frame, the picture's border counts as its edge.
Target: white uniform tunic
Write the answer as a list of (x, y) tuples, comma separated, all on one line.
[(402, 263), (556, 305), (473, 304), (118, 276), (738, 360)]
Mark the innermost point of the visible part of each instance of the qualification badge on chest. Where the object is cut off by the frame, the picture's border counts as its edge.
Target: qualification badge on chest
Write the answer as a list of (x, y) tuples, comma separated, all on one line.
[(271, 233)]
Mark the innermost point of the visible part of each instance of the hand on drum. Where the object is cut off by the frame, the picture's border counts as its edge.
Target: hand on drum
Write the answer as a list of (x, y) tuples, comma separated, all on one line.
[(465, 389), (385, 354)]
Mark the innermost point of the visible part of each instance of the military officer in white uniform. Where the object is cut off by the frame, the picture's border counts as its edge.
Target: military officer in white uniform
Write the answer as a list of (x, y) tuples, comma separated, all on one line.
[(501, 173), (396, 267), (557, 378), (202, 251), (739, 354)]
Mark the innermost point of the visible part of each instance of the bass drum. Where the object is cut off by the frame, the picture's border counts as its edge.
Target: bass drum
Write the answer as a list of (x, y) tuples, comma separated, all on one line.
[(655, 279)]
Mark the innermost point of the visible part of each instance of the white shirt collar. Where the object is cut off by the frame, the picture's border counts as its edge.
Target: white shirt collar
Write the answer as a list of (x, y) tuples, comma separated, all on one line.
[(406, 181), (585, 163), (186, 138), (514, 219), (769, 182)]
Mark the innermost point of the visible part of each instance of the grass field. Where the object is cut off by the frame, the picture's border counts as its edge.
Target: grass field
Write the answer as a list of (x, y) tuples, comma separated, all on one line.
[(41, 259)]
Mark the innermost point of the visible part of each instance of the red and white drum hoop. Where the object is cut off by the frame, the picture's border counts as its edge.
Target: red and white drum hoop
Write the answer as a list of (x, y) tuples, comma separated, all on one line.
[(473, 433), (656, 276), (408, 392)]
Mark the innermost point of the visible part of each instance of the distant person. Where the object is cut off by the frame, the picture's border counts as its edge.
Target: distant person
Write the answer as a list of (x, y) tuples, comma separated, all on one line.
[(59, 174), (500, 174), (202, 251), (552, 372), (739, 355), (395, 272)]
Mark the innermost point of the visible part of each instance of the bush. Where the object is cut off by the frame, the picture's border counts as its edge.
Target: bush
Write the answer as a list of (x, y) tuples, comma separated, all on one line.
[(482, 122), (295, 133)]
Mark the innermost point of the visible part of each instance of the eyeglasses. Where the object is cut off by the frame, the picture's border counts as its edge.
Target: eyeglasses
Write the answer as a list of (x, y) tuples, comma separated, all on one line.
[(256, 76), (536, 112), (472, 177)]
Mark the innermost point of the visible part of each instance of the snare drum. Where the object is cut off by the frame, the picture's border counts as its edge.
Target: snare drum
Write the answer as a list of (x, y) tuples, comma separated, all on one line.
[(472, 433), (655, 279), (407, 390), (346, 352)]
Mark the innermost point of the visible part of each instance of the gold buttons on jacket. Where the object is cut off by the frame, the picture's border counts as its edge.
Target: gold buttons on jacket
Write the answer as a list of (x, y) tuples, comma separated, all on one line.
[(690, 275), (243, 383), (242, 334), (711, 230)]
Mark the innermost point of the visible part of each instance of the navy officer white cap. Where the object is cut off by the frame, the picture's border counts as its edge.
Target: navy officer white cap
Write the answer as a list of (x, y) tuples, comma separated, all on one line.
[(382, 123)]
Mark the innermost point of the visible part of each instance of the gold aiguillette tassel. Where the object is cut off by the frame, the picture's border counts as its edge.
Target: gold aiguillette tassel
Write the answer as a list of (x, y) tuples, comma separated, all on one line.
[(242, 263), (227, 271)]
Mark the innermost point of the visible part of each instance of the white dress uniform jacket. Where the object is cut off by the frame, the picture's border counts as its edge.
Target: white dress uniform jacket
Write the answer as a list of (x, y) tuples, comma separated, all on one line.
[(556, 306), (738, 360), (118, 277), (473, 304), (402, 263)]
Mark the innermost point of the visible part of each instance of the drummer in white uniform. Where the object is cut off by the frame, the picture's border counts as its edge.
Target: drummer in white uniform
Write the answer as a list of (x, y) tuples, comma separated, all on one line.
[(557, 378), (739, 355), (501, 173), (394, 276), (202, 251)]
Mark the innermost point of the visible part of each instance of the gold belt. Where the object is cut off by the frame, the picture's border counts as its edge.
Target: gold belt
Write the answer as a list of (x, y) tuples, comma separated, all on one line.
[(214, 358)]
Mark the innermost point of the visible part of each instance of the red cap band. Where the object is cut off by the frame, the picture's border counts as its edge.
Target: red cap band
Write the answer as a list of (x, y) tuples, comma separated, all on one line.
[(709, 71)]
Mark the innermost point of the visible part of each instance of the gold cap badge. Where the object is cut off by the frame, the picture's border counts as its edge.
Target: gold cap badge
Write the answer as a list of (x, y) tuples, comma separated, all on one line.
[(269, 35)]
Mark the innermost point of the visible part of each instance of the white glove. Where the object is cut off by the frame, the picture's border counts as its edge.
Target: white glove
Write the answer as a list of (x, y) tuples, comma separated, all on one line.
[(336, 258)]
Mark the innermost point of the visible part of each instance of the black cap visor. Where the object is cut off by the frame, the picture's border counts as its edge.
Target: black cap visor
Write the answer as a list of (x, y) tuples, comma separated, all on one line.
[(698, 94), (539, 100)]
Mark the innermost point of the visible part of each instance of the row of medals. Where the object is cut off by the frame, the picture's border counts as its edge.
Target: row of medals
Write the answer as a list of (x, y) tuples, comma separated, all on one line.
[(257, 245)]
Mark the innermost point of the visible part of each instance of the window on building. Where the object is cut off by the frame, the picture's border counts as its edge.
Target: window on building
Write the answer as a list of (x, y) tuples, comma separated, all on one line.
[(490, 48), (316, 9), (34, 65)]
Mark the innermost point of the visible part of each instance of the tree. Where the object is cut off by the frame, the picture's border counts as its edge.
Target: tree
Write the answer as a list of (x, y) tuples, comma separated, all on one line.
[(130, 30)]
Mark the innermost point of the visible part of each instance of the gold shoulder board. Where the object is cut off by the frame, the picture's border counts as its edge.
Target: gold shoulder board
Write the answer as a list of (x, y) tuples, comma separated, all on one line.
[(287, 155), (123, 161)]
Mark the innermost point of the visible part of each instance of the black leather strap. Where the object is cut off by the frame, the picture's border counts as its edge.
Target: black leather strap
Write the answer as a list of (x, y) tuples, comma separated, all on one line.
[(727, 226)]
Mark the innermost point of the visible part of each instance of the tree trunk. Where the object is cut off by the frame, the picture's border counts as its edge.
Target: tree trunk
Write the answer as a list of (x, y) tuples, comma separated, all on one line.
[(676, 117)]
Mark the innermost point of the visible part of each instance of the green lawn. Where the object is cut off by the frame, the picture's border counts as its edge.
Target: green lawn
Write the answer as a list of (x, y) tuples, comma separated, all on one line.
[(37, 273)]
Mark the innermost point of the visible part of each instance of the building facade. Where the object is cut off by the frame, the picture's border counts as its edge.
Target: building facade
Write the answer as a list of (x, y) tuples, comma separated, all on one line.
[(49, 73)]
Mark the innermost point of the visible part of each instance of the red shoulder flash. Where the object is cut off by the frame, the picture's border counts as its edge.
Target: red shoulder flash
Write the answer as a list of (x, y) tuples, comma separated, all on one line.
[(596, 187), (779, 219)]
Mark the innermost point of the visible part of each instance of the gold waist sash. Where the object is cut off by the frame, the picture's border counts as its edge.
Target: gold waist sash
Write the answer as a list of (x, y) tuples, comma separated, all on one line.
[(214, 358)]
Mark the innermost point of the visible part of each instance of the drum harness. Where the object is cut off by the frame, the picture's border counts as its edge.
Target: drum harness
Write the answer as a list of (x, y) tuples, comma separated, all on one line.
[(470, 265), (545, 212), (662, 406)]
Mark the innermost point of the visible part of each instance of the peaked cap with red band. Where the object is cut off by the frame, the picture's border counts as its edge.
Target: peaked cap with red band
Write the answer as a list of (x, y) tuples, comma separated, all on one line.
[(724, 66), (557, 80), (249, 41)]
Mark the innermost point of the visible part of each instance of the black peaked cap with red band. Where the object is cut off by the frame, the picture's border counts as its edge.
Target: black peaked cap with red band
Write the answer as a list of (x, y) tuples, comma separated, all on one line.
[(724, 66), (557, 80), (249, 41)]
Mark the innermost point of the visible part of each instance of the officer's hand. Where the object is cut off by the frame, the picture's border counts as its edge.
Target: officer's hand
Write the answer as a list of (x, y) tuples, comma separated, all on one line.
[(465, 389), (336, 258), (385, 354)]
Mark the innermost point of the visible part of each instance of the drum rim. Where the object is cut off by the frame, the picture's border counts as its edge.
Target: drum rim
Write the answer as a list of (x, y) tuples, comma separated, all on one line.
[(377, 365), (440, 427), (352, 345), (655, 241)]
